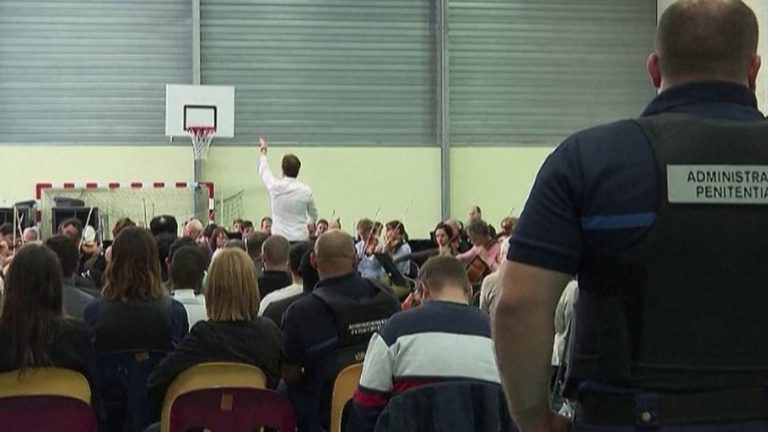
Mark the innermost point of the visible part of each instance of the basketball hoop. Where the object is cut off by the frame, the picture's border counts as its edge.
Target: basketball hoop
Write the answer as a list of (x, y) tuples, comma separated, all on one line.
[(201, 140)]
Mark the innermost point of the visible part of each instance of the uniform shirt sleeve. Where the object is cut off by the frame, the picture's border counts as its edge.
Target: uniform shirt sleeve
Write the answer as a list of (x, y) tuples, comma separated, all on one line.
[(549, 232)]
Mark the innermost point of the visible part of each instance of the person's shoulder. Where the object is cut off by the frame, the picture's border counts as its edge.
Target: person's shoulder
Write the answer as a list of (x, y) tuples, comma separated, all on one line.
[(304, 305), (596, 140)]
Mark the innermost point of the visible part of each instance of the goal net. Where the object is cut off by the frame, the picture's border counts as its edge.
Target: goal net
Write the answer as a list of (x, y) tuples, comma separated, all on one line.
[(140, 203)]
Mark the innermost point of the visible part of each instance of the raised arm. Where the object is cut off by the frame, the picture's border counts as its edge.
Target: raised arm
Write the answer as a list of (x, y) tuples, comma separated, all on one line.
[(266, 174)]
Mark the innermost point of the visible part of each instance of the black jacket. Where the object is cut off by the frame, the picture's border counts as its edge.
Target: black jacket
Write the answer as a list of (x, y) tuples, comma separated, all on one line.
[(69, 348), (256, 342), (272, 280)]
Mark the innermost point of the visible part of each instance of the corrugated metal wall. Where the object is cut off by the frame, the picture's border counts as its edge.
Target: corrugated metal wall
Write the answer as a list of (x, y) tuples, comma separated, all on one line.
[(90, 71), (323, 72), (320, 72), (534, 71)]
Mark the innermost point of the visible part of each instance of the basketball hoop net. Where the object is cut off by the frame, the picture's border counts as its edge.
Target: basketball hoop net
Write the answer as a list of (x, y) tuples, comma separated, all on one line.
[(201, 140)]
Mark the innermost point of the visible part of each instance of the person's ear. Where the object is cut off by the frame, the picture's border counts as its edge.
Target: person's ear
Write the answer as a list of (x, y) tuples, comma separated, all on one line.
[(754, 67), (654, 69), (426, 292)]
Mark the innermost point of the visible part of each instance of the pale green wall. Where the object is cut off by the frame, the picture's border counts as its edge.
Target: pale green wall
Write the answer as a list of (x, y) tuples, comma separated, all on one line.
[(498, 179), (352, 181)]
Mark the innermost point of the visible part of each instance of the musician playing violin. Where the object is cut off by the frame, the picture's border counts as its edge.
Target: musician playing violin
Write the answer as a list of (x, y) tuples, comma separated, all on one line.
[(366, 246), (484, 245)]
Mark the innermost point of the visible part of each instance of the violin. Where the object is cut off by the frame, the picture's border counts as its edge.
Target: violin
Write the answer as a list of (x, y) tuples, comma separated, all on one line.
[(371, 245)]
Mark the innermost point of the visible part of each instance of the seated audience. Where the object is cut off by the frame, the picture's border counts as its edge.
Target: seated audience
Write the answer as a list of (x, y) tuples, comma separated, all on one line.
[(320, 331), (164, 224), (74, 299), (484, 245), (135, 311), (175, 246), (164, 241), (193, 229), (274, 304), (253, 245), (266, 225), (236, 224), (33, 330), (219, 239), (235, 243), (445, 339), (30, 235), (71, 228), (489, 292), (232, 333), (247, 228), (276, 275), (188, 266), (321, 227)]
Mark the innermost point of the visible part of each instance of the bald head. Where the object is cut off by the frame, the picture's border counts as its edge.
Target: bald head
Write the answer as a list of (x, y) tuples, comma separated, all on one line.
[(335, 254), (701, 40)]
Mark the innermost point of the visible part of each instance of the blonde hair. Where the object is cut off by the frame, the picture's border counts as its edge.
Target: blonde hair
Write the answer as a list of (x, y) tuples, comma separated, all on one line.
[(232, 290), (133, 271)]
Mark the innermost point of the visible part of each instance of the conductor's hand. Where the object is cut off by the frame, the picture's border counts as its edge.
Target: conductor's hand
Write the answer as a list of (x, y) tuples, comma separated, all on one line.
[(263, 145)]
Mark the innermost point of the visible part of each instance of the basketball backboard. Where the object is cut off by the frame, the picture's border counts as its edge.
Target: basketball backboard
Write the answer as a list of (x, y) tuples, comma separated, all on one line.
[(188, 106)]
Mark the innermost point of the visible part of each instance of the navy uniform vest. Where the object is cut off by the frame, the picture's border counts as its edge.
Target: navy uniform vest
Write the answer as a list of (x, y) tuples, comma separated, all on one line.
[(686, 307), (357, 320)]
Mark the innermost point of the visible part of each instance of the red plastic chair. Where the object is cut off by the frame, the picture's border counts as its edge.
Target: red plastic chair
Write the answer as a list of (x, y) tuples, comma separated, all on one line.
[(232, 410), (224, 397), (45, 400)]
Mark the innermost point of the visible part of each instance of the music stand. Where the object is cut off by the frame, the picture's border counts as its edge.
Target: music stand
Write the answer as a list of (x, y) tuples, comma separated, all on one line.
[(395, 276)]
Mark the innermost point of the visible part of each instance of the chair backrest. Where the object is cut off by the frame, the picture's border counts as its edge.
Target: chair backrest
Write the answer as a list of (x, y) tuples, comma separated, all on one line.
[(343, 389), (461, 405), (204, 377), (123, 377), (45, 399)]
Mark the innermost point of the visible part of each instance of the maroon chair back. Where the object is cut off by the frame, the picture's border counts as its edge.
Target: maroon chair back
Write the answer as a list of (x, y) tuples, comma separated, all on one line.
[(232, 410), (46, 414)]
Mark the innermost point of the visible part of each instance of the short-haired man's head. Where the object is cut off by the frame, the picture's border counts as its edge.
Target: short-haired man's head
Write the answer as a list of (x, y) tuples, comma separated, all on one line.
[(335, 254), (188, 267), (254, 242), (475, 212), (275, 251), (707, 40), (232, 289), (72, 228), (66, 250), (297, 252), (193, 229), (291, 165), (441, 272), (178, 244)]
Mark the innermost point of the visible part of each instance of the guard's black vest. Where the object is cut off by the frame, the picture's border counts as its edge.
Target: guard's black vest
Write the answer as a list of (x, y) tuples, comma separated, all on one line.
[(135, 325), (686, 307), (357, 320)]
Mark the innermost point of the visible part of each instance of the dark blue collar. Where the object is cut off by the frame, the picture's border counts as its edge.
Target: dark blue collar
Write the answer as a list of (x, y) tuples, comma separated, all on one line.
[(338, 281), (701, 97)]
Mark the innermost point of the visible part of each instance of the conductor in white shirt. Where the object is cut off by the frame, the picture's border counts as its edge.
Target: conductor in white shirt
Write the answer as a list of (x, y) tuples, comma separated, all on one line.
[(293, 207)]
